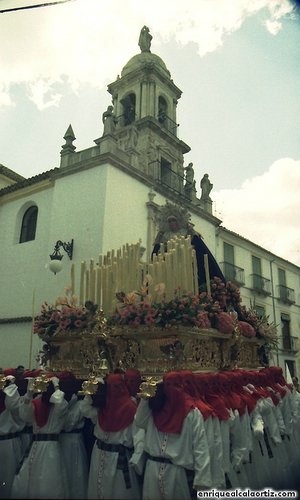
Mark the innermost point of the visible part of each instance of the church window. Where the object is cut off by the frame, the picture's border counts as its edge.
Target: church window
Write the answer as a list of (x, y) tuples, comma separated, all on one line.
[(162, 111), (28, 227), (129, 108)]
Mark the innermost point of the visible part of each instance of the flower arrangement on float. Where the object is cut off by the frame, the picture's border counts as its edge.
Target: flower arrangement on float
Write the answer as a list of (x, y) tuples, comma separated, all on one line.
[(62, 316), (222, 309)]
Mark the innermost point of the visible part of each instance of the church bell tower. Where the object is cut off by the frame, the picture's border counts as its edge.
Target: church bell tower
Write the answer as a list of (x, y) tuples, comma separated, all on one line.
[(145, 125)]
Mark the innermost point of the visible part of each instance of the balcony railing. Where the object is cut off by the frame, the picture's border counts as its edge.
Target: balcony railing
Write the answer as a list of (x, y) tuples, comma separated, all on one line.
[(167, 122), (233, 273), (172, 180), (289, 343), (285, 294), (260, 284)]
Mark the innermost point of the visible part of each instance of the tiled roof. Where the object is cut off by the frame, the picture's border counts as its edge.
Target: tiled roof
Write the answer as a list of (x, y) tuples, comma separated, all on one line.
[(10, 174), (27, 182)]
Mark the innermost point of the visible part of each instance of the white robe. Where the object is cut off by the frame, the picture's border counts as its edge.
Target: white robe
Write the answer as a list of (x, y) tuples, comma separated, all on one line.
[(259, 473), (43, 473), (105, 479), (187, 450), (278, 464), (239, 445), (74, 451), (214, 440), (226, 429), (10, 449)]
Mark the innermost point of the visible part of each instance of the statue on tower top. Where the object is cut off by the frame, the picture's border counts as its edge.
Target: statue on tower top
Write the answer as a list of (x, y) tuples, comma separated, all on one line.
[(145, 39)]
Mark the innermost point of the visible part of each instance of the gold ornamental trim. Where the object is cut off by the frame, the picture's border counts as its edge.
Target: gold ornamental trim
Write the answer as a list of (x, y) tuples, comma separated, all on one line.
[(151, 350)]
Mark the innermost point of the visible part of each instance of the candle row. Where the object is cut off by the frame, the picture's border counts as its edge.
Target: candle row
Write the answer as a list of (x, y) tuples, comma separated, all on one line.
[(123, 271)]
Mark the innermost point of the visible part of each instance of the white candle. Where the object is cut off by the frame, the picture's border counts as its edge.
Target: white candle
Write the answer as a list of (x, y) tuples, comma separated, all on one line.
[(82, 274), (207, 278), (72, 278)]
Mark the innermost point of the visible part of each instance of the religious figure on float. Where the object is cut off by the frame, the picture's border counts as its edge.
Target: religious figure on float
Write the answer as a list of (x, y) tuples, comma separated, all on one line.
[(175, 221)]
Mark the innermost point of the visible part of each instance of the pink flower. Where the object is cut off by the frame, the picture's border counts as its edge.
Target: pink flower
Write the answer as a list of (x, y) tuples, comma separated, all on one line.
[(55, 316), (124, 313), (149, 320), (203, 320), (137, 321), (64, 324), (224, 322), (247, 330), (78, 323)]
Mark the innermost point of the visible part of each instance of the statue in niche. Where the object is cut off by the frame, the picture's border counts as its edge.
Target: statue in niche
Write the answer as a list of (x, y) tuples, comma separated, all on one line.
[(175, 221), (206, 187), (145, 39), (132, 138), (109, 121)]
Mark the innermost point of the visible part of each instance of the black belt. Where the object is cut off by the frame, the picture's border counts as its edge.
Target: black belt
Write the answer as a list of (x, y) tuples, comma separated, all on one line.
[(10, 435), (122, 463), (189, 473), (261, 448), (74, 431), (269, 449), (45, 437), (163, 460)]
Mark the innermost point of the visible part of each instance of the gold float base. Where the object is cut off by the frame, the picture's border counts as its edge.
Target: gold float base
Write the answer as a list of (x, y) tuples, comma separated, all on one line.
[(151, 350)]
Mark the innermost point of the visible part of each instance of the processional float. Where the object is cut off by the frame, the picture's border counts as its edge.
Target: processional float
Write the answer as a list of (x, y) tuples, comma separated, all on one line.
[(150, 316)]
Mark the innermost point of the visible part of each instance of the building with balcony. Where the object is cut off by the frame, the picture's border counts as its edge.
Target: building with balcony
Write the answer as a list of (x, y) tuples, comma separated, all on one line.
[(268, 282)]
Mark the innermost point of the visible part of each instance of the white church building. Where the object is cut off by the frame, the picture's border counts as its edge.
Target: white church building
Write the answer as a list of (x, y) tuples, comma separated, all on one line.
[(110, 194)]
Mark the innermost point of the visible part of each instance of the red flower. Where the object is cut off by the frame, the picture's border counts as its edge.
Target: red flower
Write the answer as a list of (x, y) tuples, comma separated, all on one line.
[(247, 330)]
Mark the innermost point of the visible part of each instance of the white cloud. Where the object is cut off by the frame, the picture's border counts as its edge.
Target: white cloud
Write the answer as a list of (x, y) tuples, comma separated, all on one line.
[(88, 43), (5, 99), (266, 209), (273, 26), (42, 94)]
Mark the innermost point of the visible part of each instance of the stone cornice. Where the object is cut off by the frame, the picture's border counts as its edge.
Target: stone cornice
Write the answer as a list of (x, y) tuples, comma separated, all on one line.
[(153, 124), (139, 74)]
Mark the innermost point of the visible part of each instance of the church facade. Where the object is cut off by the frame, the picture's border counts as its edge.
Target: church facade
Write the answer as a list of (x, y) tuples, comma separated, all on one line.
[(110, 194)]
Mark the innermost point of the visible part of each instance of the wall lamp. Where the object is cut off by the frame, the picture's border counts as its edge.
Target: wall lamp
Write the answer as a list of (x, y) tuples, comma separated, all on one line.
[(55, 264)]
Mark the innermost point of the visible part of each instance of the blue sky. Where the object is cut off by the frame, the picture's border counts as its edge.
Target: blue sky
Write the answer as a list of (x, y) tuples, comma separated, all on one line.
[(237, 63)]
